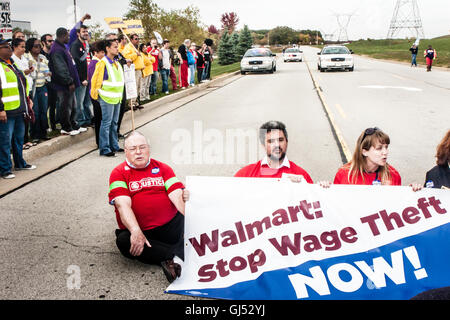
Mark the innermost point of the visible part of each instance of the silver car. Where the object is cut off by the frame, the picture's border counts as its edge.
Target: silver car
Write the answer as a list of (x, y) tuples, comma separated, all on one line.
[(258, 60)]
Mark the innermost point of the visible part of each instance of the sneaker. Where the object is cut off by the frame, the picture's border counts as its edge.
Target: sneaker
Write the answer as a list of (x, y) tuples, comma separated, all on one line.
[(81, 129), (171, 270), (27, 167), (8, 175), (167, 92), (71, 133)]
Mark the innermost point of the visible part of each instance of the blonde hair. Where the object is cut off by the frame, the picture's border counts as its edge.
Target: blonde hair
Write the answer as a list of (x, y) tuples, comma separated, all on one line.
[(358, 163)]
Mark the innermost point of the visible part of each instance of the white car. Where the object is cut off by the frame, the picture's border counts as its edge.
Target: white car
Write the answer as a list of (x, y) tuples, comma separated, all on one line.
[(293, 54), (257, 60), (335, 57)]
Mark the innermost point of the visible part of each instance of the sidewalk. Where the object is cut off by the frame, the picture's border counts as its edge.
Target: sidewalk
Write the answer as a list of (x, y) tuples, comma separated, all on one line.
[(54, 154)]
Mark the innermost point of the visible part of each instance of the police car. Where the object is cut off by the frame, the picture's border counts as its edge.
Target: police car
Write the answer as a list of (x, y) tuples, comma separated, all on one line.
[(258, 60), (335, 57), (292, 54)]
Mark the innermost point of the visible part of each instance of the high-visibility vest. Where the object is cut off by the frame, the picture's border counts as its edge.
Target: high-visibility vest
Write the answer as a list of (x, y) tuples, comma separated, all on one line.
[(112, 89), (10, 88)]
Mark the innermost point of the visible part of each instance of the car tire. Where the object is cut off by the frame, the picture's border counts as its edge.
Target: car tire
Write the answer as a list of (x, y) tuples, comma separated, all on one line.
[(351, 69), (322, 70), (242, 72), (274, 68), (284, 60)]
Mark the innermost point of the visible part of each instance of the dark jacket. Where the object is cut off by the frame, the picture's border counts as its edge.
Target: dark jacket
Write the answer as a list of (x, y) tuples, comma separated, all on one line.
[(62, 67), (80, 55), (414, 50), (439, 175)]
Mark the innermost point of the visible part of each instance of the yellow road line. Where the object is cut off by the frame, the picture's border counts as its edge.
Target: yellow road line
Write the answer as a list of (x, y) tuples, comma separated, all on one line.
[(343, 145)]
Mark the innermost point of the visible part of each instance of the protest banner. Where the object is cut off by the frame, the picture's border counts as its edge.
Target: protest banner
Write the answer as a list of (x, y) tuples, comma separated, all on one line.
[(253, 238), (5, 20), (130, 86), (115, 23), (133, 26)]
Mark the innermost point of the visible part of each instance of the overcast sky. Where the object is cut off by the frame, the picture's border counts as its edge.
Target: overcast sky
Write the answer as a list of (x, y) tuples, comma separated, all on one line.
[(370, 18)]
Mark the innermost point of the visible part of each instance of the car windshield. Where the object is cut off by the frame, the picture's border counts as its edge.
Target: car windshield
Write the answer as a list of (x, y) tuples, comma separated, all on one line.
[(335, 50), (258, 53), (291, 50)]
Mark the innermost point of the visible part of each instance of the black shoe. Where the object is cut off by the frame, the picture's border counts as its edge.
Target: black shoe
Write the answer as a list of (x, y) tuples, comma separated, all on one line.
[(120, 150), (109, 154), (171, 270)]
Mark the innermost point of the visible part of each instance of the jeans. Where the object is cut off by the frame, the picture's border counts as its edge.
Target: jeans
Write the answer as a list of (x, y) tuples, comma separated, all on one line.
[(192, 74), (108, 138), (66, 111), (165, 79), (153, 82), (11, 135), (52, 106), (413, 59), (40, 105), (83, 106)]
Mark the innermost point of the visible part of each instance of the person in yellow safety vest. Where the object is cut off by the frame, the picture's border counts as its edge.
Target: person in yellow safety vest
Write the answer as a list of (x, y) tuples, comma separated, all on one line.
[(430, 54), (107, 86), (147, 72), (131, 51), (15, 105)]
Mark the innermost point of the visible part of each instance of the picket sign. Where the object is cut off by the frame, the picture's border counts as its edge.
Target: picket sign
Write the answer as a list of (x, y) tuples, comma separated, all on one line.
[(253, 238)]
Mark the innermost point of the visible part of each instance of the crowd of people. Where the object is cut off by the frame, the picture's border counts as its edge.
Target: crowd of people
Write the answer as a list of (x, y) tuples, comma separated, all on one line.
[(150, 200), (69, 83)]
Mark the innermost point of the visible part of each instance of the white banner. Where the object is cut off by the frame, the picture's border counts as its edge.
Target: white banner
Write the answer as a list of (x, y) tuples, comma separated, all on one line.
[(130, 81), (253, 238), (5, 20)]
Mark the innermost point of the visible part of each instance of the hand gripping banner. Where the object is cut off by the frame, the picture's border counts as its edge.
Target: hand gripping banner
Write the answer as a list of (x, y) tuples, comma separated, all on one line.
[(253, 238)]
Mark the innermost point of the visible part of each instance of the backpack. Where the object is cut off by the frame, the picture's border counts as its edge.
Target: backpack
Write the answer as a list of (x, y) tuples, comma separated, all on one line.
[(190, 57)]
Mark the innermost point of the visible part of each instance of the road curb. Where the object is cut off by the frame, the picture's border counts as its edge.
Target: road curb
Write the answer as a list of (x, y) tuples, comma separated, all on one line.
[(61, 142)]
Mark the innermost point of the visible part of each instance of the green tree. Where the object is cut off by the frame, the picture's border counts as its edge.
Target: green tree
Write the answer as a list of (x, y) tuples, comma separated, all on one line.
[(283, 35), (148, 12), (234, 41), (97, 32), (245, 41), (226, 55)]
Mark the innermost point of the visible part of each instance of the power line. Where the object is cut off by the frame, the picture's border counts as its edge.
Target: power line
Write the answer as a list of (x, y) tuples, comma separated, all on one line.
[(406, 17)]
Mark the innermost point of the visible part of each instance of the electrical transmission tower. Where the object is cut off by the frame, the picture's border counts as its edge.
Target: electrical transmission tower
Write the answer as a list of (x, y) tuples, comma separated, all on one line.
[(343, 21), (406, 17)]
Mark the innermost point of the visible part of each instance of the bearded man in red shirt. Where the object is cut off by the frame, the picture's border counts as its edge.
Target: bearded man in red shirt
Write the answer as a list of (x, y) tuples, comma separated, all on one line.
[(149, 207), (273, 136)]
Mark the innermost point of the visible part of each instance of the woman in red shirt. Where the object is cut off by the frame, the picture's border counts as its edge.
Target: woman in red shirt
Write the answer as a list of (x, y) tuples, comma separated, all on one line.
[(369, 163)]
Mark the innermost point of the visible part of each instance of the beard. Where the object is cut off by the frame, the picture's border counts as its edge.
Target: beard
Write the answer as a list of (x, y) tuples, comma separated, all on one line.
[(279, 157)]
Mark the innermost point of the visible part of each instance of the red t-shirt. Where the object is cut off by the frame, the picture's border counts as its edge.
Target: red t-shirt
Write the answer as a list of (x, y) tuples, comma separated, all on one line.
[(264, 171), (155, 53), (148, 189), (343, 178)]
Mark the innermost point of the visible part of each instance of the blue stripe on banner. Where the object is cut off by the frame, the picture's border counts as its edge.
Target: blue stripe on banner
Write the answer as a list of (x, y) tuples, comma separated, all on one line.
[(408, 266)]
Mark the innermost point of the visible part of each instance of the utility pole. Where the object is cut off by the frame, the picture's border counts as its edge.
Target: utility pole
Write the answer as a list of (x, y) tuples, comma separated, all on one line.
[(343, 21), (75, 10), (406, 17)]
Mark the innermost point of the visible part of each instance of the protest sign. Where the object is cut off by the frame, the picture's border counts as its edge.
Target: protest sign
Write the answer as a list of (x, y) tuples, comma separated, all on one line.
[(130, 81), (5, 20), (133, 26), (115, 23), (253, 238)]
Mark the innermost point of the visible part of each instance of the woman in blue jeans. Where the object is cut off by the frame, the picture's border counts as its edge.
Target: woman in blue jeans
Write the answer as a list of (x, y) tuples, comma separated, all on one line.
[(40, 75), (107, 85)]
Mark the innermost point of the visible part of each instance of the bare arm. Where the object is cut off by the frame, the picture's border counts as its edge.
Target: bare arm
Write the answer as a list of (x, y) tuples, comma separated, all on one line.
[(176, 197), (137, 238)]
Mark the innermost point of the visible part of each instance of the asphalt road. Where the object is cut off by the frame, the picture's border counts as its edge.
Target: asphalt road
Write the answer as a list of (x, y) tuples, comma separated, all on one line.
[(60, 227)]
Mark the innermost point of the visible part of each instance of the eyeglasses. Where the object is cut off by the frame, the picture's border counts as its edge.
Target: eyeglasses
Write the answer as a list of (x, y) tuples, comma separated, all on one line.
[(369, 132), (135, 148), (50, 41)]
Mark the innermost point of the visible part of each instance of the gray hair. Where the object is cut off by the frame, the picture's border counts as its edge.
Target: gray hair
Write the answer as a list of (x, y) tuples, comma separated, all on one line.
[(132, 134), (187, 41)]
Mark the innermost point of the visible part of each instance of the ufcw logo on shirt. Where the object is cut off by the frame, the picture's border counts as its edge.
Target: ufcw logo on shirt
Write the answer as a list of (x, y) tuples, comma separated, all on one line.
[(146, 183)]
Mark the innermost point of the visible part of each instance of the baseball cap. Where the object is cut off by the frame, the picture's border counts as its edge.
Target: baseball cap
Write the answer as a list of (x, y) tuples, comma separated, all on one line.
[(3, 41)]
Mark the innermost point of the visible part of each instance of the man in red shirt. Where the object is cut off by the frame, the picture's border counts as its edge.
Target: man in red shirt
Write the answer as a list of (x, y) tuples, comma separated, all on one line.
[(273, 136), (149, 208)]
